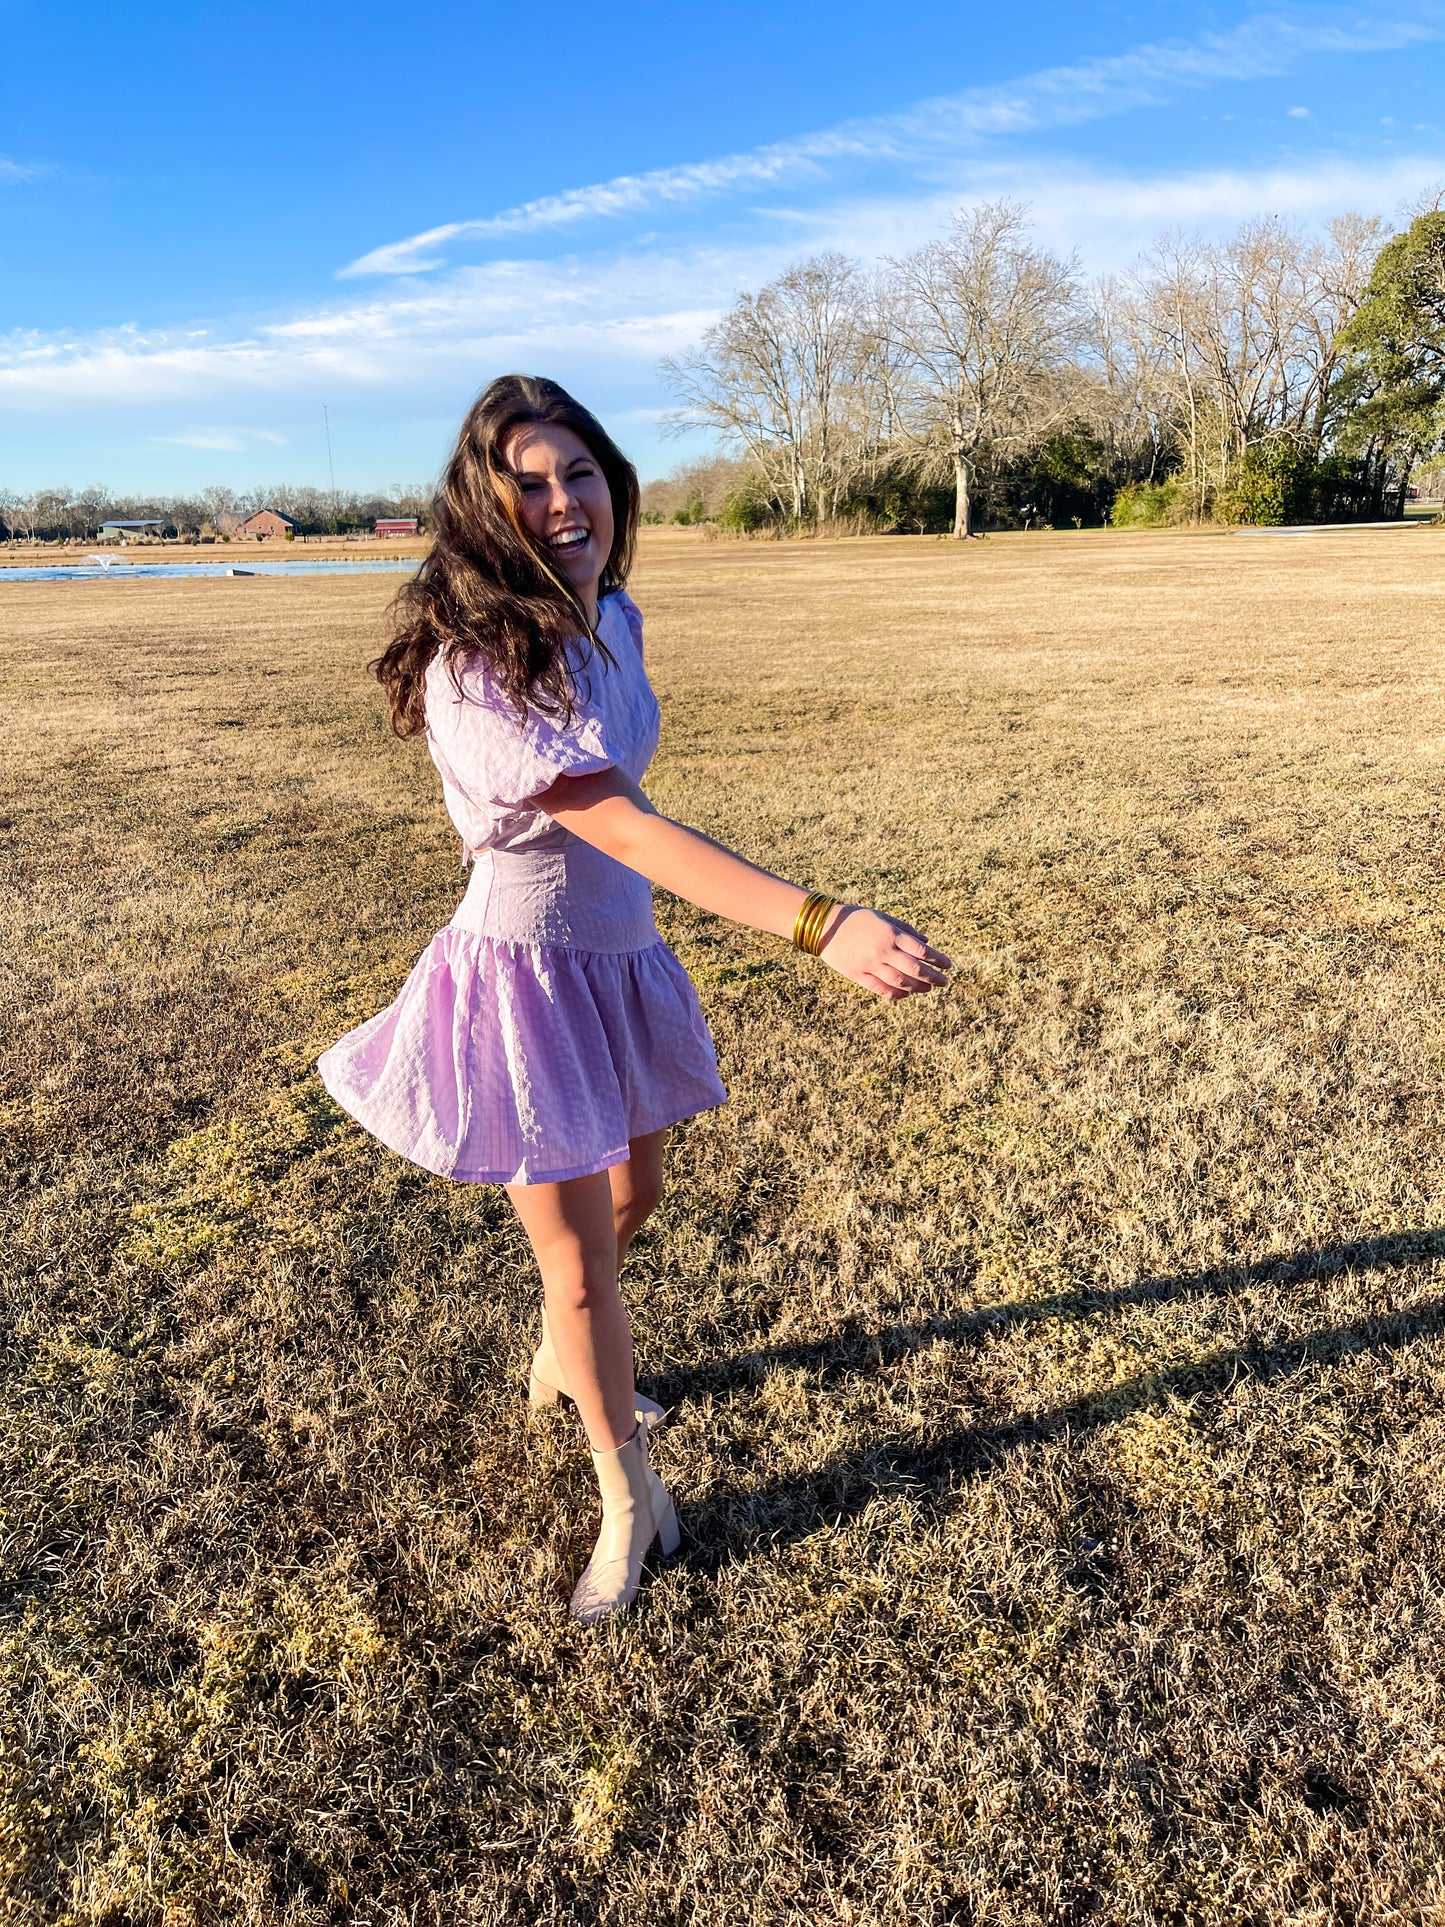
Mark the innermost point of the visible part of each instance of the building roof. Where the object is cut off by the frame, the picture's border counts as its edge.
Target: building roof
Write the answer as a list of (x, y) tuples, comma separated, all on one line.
[(151, 522), (287, 519)]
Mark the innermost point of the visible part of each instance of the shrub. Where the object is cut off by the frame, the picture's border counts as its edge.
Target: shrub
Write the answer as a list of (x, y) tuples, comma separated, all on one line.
[(1275, 485), (902, 502), (1152, 505), (746, 509), (1065, 480), (694, 492)]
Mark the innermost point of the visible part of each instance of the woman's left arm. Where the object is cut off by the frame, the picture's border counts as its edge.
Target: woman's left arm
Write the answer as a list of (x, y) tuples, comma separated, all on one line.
[(609, 811)]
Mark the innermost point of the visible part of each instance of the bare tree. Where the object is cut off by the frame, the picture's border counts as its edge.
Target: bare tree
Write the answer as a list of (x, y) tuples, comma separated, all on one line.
[(989, 324), (24, 515), (1338, 273), (697, 490), (1248, 333), (89, 509), (223, 508), (784, 378), (1131, 405)]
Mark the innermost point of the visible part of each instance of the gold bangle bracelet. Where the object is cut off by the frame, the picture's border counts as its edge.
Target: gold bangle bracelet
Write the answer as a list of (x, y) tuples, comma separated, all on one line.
[(804, 918), (800, 920), (815, 929), (813, 914)]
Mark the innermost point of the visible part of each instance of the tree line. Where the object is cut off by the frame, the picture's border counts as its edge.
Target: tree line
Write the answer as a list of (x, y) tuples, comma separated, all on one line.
[(61, 514), (980, 381)]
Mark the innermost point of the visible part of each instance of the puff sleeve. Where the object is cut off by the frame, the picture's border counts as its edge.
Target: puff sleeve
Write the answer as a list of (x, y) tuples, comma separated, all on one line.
[(491, 760)]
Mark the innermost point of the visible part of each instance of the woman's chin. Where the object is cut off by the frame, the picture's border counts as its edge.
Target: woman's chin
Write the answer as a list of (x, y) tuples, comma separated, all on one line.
[(582, 581)]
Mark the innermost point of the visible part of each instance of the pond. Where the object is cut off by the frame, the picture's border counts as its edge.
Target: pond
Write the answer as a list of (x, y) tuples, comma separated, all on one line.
[(103, 569)]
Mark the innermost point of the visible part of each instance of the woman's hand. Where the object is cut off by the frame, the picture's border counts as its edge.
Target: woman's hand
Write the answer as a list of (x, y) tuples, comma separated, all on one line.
[(882, 954)]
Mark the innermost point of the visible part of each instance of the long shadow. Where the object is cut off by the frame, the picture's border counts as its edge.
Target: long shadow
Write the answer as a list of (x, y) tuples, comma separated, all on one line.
[(738, 1519), (854, 1348)]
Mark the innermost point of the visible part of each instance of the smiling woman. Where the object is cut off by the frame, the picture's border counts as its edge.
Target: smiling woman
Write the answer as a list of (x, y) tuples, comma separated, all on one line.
[(548, 1039)]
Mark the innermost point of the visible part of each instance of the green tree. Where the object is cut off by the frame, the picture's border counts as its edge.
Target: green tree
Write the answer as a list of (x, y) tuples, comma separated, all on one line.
[(1397, 349)]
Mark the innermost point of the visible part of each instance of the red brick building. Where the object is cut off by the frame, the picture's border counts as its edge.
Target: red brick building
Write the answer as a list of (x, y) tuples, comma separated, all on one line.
[(266, 525)]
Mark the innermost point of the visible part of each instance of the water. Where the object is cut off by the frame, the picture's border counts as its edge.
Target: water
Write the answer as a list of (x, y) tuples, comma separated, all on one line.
[(103, 571)]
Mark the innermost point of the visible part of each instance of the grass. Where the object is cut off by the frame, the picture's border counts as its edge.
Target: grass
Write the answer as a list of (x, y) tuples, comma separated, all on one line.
[(1058, 1362)]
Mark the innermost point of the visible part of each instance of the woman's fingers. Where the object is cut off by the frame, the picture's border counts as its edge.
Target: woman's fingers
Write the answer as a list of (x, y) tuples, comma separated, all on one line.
[(920, 970), (926, 975), (892, 976), (916, 946), (899, 982)]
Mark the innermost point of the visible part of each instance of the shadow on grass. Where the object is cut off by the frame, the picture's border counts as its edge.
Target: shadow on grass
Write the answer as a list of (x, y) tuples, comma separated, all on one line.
[(734, 1521)]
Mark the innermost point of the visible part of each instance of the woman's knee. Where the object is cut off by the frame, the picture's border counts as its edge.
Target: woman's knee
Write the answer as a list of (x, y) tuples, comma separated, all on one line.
[(636, 1210), (637, 1196), (578, 1281)]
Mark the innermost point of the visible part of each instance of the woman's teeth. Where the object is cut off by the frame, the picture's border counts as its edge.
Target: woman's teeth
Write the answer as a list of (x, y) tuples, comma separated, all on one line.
[(569, 539)]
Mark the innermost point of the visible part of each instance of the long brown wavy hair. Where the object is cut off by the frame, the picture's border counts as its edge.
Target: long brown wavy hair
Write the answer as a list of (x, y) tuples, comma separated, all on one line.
[(488, 587)]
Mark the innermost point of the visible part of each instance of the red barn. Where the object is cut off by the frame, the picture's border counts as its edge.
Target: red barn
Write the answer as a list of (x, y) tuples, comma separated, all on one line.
[(396, 525), (266, 525)]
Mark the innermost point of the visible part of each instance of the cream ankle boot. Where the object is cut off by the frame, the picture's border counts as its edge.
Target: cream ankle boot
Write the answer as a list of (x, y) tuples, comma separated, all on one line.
[(636, 1514), (545, 1386)]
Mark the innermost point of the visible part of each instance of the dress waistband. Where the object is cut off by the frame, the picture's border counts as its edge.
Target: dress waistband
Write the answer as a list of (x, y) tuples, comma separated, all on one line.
[(576, 897)]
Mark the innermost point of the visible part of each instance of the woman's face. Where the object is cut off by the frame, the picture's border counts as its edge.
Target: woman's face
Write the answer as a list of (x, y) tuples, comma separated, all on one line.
[(565, 502)]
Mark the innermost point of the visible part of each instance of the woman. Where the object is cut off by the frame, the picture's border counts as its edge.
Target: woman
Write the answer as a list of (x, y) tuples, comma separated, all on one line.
[(548, 1038)]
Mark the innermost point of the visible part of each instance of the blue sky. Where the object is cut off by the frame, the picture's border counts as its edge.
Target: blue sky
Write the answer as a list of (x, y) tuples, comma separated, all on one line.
[(214, 220)]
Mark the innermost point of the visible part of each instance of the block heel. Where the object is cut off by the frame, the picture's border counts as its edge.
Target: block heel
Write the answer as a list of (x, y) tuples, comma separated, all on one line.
[(669, 1533), (542, 1396), (545, 1391)]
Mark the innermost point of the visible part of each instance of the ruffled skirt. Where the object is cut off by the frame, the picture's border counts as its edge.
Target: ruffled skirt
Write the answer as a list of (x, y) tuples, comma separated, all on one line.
[(520, 1062)]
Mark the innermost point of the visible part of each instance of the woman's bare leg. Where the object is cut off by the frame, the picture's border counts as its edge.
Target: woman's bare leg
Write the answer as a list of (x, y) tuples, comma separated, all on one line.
[(637, 1188), (572, 1228)]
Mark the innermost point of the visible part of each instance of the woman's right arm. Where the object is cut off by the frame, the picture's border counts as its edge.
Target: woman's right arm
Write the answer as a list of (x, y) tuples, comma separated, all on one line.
[(609, 811)]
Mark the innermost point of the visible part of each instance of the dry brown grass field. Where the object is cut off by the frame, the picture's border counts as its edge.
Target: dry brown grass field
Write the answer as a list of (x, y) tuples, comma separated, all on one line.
[(1058, 1362)]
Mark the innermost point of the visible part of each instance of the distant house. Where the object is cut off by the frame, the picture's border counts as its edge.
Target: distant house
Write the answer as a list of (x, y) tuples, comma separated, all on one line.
[(123, 531), (396, 525), (266, 525)]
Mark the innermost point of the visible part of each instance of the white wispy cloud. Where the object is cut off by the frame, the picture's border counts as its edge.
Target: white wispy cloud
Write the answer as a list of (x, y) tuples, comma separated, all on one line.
[(611, 317), (1109, 218), (225, 440), (1270, 44), (614, 311), (13, 173)]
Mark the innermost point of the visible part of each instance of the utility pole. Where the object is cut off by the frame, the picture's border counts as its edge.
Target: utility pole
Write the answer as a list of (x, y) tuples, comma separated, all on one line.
[(330, 465)]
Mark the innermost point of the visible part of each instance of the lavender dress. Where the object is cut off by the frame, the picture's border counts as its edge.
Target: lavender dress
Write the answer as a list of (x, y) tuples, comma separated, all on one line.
[(548, 1023)]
